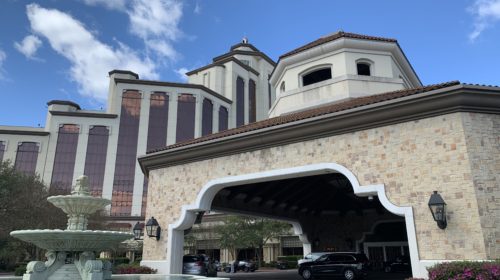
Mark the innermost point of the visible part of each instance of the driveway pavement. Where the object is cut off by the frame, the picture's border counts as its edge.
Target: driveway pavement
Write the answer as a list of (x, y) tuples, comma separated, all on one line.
[(292, 274)]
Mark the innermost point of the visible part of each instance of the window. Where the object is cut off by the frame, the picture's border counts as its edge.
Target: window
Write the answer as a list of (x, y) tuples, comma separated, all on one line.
[(317, 76), (64, 160), (363, 68), (240, 101), (186, 108), (207, 121), (223, 114), (95, 159), (252, 100), (26, 157), (2, 149), (206, 79), (126, 154), (282, 87)]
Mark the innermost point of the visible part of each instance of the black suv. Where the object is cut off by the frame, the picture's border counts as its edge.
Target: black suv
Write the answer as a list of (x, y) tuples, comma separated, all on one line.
[(347, 265)]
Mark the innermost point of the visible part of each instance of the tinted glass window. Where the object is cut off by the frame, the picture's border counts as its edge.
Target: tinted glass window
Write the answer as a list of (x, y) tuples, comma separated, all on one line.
[(64, 160), (186, 107), (26, 157), (208, 112), (2, 150), (126, 154), (363, 69), (317, 76), (240, 101), (95, 159), (158, 120), (157, 132), (223, 114), (252, 99)]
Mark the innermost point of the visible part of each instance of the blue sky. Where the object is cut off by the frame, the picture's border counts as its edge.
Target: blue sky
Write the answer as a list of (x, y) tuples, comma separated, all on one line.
[(63, 49)]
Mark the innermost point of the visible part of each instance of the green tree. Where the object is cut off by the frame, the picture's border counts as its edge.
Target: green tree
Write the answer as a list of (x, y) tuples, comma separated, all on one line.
[(240, 232), (24, 205)]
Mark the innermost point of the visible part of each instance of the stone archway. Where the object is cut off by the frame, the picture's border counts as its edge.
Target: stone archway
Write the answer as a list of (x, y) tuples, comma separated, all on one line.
[(173, 263)]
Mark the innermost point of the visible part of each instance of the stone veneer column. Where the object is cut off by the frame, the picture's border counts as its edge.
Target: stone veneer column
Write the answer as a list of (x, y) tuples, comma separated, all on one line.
[(81, 152), (172, 118), (141, 150)]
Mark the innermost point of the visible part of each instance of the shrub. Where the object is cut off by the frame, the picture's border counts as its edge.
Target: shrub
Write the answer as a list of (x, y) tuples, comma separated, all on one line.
[(465, 270), (20, 270), (133, 269)]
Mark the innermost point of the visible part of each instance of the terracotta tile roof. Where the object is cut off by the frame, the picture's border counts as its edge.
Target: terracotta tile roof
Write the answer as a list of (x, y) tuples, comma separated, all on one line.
[(311, 113), (335, 36)]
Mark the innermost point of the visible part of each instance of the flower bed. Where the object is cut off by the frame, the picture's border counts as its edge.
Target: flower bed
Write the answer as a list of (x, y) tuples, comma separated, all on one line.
[(133, 269), (465, 270)]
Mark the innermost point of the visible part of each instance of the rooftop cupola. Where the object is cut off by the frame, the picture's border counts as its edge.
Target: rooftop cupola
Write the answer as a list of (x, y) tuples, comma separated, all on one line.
[(336, 67)]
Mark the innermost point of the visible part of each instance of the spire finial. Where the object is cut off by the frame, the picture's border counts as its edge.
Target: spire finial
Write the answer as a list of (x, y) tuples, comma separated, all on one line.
[(245, 40)]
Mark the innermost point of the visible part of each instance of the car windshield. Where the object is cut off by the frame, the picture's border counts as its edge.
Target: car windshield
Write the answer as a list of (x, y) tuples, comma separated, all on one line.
[(322, 258), (189, 259)]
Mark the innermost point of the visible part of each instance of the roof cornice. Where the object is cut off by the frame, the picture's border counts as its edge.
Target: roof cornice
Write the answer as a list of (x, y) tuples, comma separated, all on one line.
[(24, 132), (242, 52), (221, 63), (457, 98), (169, 84), (346, 43), (84, 114)]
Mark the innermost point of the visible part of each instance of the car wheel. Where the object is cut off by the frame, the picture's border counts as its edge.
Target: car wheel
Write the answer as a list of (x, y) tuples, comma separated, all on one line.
[(227, 269), (246, 269), (349, 274), (387, 269), (307, 274)]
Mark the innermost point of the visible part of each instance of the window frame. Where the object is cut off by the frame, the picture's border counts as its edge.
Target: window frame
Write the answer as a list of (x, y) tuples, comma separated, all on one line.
[(313, 69), (368, 62)]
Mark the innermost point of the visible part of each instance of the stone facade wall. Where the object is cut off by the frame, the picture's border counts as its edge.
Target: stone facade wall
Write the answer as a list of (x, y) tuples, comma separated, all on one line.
[(412, 159), (482, 133)]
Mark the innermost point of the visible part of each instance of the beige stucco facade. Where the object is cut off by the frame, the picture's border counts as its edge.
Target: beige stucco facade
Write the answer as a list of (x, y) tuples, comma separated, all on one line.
[(456, 154)]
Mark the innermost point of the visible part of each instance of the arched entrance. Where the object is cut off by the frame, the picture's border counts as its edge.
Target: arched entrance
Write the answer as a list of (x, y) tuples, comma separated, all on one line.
[(211, 195)]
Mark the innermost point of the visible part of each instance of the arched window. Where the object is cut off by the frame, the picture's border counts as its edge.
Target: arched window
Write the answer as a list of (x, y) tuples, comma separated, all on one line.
[(364, 67), (316, 76), (282, 87)]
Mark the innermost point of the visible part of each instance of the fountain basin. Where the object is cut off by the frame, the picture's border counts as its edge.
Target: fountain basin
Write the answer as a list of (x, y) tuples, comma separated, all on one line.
[(72, 240), (79, 204)]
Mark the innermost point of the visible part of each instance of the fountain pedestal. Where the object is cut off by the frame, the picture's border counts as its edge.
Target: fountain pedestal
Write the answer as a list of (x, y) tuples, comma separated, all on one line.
[(76, 241)]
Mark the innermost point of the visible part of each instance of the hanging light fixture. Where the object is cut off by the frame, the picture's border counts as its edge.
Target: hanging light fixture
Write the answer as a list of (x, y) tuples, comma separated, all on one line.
[(153, 229), (137, 231), (438, 210)]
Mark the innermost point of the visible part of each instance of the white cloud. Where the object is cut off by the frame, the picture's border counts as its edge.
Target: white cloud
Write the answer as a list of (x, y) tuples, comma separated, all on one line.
[(28, 46), (156, 22), (181, 73), (90, 59), (197, 8), (3, 57), (110, 4), (486, 13)]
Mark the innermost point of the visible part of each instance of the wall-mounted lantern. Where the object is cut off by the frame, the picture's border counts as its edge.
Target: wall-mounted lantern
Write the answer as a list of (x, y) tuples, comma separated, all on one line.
[(438, 210), (153, 229), (137, 231)]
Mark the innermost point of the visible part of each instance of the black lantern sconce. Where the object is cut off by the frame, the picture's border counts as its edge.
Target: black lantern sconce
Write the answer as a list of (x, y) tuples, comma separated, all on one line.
[(438, 209), (138, 231), (153, 229)]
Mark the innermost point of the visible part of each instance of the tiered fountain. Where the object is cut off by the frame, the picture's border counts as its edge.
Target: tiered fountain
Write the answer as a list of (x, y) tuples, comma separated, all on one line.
[(71, 252)]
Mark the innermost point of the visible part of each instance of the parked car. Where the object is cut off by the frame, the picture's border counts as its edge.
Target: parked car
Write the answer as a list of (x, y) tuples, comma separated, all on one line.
[(246, 266), (400, 263), (198, 265), (311, 257), (347, 265)]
